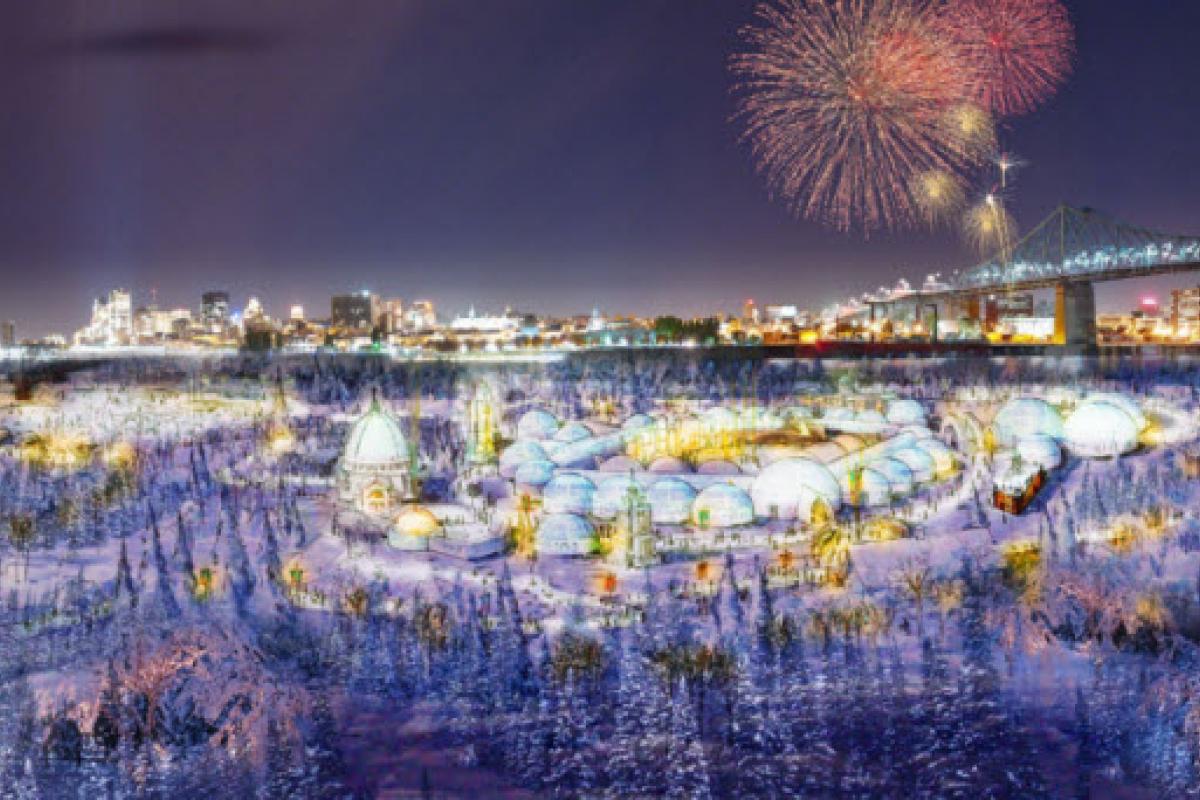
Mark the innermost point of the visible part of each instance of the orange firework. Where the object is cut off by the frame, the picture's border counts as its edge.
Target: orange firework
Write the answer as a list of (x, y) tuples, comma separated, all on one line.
[(845, 101)]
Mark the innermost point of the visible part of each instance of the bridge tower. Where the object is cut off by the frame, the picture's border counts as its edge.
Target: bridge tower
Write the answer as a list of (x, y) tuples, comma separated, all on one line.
[(1075, 315)]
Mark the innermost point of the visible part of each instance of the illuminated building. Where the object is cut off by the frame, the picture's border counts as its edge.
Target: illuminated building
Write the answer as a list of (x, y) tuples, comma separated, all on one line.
[(296, 314), (373, 474), (355, 312), (8, 336), (420, 316), (393, 315), (481, 427), (214, 311), (112, 321)]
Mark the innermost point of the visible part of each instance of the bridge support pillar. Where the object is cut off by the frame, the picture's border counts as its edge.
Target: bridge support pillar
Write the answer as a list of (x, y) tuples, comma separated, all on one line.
[(1075, 316)]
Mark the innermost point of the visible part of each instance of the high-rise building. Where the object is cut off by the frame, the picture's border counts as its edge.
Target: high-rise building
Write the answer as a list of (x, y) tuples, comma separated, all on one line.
[(297, 313), (214, 310), (357, 312), (112, 320), (8, 334), (1185, 308), (393, 315)]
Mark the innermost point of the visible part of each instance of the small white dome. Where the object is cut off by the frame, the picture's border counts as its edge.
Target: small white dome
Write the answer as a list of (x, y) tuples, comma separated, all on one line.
[(610, 496), (534, 473), (668, 465), (537, 423), (519, 453), (568, 493), (671, 501), (1100, 430), (565, 535), (923, 467), (723, 505), (905, 411)]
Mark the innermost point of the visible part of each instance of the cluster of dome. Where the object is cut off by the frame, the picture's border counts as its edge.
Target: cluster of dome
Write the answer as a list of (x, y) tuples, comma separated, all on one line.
[(1103, 425)]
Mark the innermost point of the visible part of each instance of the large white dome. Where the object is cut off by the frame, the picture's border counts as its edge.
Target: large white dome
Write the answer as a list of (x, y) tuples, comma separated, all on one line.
[(1100, 430), (568, 493), (723, 505), (788, 488), (1026, 416), (905, 411), (375, 442)]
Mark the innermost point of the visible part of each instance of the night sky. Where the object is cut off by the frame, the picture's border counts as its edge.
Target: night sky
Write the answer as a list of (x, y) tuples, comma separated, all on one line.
[(551, 155)]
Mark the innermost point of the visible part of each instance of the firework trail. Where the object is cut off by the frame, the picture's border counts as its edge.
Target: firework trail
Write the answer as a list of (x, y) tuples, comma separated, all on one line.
[(1014, 53), (845, 101)]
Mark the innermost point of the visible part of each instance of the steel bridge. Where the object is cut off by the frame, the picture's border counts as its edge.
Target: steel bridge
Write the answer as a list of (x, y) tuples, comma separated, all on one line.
[(1070, 250)]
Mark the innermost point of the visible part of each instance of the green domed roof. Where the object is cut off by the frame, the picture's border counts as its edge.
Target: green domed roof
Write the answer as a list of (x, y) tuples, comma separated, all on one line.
[(375, 440)]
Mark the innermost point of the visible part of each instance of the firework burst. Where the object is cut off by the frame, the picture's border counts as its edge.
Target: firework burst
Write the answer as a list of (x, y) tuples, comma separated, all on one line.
[(989, 228), (938, 194), (1014, 53), (845, 101)]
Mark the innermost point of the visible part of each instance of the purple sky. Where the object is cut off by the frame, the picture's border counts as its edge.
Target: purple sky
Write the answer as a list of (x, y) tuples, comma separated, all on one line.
[(552, 155)]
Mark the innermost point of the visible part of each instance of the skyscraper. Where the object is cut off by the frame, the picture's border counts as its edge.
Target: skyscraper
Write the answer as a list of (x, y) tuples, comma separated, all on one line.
[(214, 310), (357, 312)]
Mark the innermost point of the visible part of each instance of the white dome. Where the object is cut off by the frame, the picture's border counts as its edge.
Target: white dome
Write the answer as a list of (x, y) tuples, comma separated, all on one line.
[(620, 464), (1040, 450), (577, 455), (899, 475), (943, 456), (1100, 430), (565, 535), (905, 411), (568, 493), (719, 466), (668, 465), (610, 496), (519, 453), (1025, 416), (572, 432), (534, 473), (873, 488), (1123, 402), (923, 467), (537, 423), (870, 417), (723, 505), (788, 488), (670, 501), (375, 442), (637, 421)]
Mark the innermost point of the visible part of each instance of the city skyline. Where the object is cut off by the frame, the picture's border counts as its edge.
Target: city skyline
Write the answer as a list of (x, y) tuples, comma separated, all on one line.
[(584, 157)]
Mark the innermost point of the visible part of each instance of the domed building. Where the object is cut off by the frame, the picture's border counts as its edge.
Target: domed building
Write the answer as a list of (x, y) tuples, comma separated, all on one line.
[(610, 495), (1041, 451), (573, 432), (537, 423), (518, 453), (866, 487), (565, 535), (534, 474), (1123, 402), (905, 411), (1099, 429), (619, 464), (373, 473), (795, 488), (919, 462), (568, 493), (413, 529), (723, 505), (719, 466), (899, 476), (1026, 416), (671, 501), (668, 465)]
